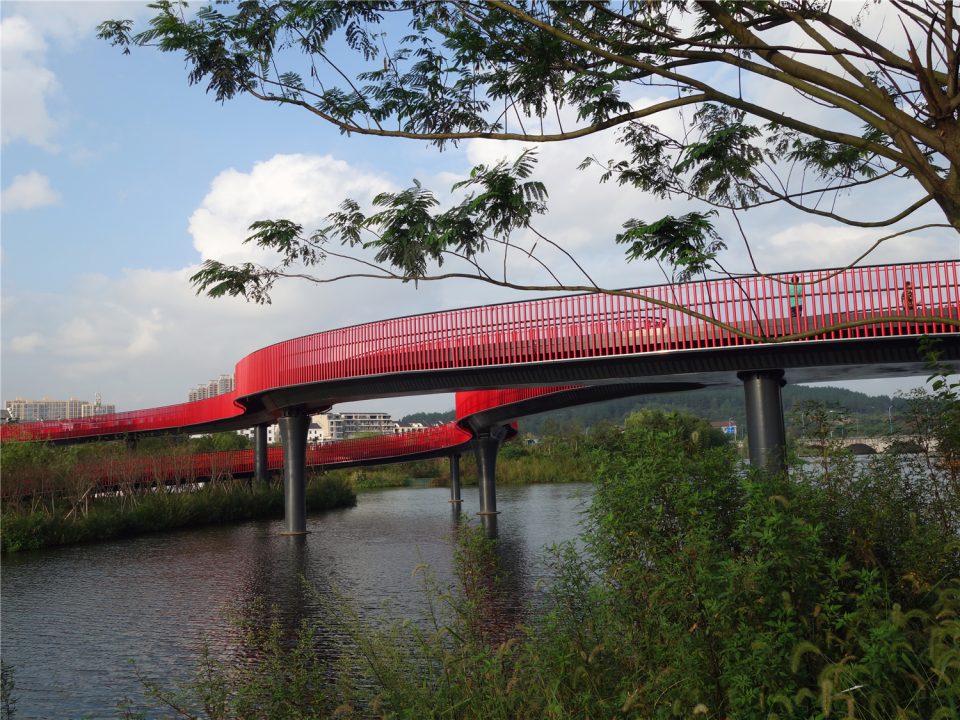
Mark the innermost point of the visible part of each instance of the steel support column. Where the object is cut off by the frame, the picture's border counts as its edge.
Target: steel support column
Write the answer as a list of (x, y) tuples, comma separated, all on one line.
[(455, 479), (486, 443), (261, 471), (293, 435), (765, 431)]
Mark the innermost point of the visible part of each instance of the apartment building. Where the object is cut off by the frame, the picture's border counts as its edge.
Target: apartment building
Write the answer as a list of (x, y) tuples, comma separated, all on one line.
[(221, 385), (331, 427), (21, 410)]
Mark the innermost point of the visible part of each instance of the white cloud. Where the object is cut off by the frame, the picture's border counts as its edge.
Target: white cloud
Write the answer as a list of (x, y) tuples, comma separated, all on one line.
[(29, 191), (26, 32), (812, 245), (27, 85), (25, 344), (303, 188)]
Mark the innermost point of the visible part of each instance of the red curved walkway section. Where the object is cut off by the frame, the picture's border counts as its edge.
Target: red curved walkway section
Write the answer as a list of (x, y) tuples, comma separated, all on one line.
[(750, 311)]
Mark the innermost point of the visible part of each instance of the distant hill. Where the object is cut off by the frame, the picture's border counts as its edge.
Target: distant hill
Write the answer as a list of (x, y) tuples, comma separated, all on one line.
[(428, 418), (872, 412)]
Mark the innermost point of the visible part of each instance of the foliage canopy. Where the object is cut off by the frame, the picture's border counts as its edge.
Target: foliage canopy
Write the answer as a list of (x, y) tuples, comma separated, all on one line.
[(729, 105)]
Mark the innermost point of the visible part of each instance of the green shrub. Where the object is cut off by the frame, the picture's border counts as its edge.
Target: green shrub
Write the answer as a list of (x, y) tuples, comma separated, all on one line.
[(700, 589)]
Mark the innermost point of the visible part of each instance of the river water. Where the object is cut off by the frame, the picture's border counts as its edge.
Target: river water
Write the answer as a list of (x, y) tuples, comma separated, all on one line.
[(75, 619)]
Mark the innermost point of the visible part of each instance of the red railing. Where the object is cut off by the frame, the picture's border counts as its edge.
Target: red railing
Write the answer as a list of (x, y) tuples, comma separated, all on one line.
[(855, 303), (846, 304), (172, 468), (471, 402), (171, 417)]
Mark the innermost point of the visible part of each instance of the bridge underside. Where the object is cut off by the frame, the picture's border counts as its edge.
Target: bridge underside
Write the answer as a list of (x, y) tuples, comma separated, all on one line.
[(824, 361)]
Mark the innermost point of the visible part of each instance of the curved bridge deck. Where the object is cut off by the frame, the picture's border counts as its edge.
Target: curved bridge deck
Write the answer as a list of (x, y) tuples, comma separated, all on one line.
[(683, 335)]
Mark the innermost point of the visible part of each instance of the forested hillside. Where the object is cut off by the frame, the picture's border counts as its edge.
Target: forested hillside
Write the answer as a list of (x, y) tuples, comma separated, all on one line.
[(867, 414)]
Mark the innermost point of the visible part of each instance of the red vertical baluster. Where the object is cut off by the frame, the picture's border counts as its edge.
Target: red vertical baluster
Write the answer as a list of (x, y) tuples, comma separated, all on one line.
[(736, 296), (490, 313), (423, 321), (443, 339), (518, 319), (857, 300), (703, 295), (537, 335), (529, 330), (459, 330), (554, 347), (587, 324), (476, 341), (606, 327), (945, 297), (563, 340), (499, 340), (521, 321), (509, 331), (843, 281), (681, 338), (480, 318), (725, 288), (450, 343), (509, 339), (410, 340), (954, 291), (894, 281), (693, 297), (546, 351), (924, 295), (643, 336), (554, 315), (826, 283), (622, 341)]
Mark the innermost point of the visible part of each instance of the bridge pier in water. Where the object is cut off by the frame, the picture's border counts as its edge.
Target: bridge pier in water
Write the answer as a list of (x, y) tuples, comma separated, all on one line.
[(766, 436), (261, 470), (486, 443), (293, 435), (455, 481)]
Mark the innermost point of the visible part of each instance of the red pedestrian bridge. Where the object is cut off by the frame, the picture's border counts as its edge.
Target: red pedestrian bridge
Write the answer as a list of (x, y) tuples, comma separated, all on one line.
[(511, 359)]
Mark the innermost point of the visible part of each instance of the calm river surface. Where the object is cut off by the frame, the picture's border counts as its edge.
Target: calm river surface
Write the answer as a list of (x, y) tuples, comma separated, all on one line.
[(74, 618)]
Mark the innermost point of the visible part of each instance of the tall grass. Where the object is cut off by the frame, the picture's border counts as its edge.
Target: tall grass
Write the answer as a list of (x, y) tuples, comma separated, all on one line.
[(30, 527)]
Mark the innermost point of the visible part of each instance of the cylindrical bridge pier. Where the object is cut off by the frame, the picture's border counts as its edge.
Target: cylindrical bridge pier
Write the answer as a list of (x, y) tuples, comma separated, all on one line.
[(455, 480), (261, 470), (293, 435), (765, 430), (486, 443)]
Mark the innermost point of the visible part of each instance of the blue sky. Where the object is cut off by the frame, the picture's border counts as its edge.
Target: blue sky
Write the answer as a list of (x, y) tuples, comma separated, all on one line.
[(118, 179)]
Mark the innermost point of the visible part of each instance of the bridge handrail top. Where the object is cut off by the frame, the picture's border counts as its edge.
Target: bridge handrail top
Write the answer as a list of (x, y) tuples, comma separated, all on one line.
[(562, 296)]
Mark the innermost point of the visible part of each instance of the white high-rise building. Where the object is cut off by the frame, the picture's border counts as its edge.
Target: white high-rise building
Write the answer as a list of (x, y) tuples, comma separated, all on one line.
[(220, 386), (22, 410)]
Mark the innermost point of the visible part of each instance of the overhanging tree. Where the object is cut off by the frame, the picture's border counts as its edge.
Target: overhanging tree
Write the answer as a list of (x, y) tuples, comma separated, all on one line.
[(867, 113)]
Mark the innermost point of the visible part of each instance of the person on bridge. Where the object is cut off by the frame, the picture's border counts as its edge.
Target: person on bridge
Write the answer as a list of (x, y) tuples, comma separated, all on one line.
[(907, 298), (796, 297)]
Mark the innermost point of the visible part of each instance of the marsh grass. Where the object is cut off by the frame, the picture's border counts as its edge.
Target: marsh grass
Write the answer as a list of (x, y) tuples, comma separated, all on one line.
[(32, 527)]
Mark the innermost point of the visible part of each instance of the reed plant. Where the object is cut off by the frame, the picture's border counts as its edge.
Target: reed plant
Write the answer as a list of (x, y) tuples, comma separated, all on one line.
[(126, 513)]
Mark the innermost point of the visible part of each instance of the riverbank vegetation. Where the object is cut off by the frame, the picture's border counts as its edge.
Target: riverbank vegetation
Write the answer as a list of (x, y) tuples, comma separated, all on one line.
[(699, 588), (128, 511)]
